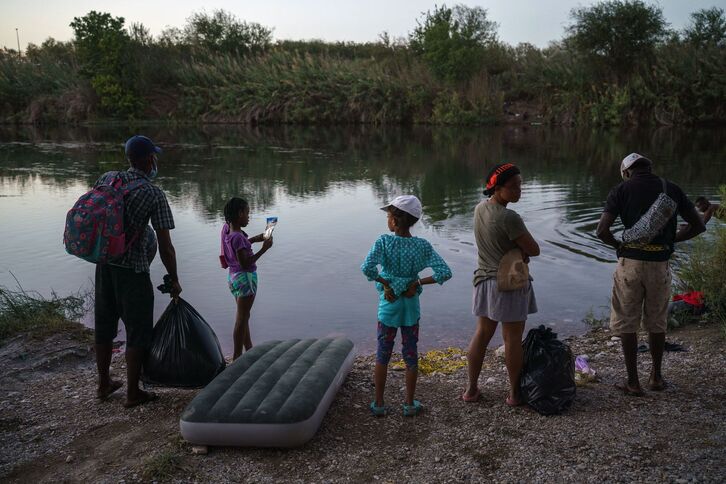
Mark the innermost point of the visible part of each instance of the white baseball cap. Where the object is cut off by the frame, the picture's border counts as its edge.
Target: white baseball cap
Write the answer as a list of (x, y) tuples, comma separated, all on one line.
[(408, 203), (630, 160)]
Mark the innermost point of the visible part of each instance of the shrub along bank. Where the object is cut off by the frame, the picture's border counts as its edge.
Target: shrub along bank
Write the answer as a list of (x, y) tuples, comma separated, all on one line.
[(618, 64)]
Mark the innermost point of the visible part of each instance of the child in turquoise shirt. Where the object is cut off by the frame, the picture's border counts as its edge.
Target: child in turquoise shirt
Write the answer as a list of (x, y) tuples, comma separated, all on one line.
[(401, 257)]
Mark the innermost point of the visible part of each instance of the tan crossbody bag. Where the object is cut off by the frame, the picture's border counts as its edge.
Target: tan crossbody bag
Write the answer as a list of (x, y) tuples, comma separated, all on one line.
[(513, 272)]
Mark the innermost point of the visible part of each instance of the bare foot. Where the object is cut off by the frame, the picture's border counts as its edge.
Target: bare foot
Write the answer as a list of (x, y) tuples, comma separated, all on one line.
[(470, 397), (513, 401), (630, 390), (104, 392), (142, 398)]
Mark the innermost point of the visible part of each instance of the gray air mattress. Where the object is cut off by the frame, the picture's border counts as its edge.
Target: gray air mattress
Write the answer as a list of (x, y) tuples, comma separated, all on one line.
[(275, 395)]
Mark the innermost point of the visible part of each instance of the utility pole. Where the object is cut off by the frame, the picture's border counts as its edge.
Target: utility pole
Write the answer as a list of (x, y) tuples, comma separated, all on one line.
[(17, 36)]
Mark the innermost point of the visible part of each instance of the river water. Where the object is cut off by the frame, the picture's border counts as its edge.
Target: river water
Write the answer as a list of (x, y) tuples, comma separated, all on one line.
[(325, 185)]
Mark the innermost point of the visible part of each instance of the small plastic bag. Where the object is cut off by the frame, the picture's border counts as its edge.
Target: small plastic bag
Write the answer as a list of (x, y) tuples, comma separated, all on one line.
[(584, 373), (271, 223)]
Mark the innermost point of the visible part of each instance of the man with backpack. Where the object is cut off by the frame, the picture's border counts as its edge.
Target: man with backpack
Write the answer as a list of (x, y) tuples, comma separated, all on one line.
[(648, 207), (123, 285)]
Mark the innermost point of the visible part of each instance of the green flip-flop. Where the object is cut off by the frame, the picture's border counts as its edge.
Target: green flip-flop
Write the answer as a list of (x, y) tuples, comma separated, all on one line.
[(412, 410), (377, 411)]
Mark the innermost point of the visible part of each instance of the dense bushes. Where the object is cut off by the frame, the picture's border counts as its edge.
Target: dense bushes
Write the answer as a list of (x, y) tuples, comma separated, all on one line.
[(618, 64), (704, 269), (283, 87)]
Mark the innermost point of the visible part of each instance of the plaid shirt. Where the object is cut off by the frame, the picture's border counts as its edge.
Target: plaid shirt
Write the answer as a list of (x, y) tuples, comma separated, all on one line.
[(145, 203)]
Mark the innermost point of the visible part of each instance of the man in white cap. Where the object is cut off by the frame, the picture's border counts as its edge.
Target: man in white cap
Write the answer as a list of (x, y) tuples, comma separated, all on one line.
[(642, 281)]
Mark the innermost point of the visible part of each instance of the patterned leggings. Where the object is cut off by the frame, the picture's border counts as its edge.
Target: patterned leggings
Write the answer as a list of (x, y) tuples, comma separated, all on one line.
[(409, 340)]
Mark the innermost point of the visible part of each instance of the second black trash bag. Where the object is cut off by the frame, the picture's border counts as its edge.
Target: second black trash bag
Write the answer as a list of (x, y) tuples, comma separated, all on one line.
[(548, 376), (184, 352)]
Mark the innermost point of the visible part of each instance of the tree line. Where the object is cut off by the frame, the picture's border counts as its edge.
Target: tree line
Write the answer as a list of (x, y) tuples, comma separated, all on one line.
[(618, 63)]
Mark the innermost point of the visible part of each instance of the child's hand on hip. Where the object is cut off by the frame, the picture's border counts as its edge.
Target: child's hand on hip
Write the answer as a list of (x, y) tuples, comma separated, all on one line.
[(411, 291), (388, 293)]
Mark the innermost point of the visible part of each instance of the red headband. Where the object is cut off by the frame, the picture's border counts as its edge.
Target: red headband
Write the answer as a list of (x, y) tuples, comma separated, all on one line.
[(493, 179)]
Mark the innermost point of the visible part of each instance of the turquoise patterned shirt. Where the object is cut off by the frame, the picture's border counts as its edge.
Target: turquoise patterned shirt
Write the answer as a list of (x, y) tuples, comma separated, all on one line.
[(401, 259)]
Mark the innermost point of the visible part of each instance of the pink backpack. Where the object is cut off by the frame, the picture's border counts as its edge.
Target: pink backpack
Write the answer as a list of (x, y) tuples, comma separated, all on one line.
[(95, 225)]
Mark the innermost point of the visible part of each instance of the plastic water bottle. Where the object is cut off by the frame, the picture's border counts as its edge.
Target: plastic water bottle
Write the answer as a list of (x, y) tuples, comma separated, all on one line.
[(271, 222)]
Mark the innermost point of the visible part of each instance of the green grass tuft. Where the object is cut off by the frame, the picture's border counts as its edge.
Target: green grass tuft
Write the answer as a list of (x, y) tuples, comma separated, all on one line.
[(161, 466), (599, 319), (31, 313)]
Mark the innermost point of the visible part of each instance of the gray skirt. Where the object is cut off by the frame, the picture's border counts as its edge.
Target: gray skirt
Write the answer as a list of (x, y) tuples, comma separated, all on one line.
[(504, 306)]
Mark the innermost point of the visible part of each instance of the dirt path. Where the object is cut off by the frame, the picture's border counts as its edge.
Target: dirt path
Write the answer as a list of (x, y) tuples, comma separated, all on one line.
[(53, 429)]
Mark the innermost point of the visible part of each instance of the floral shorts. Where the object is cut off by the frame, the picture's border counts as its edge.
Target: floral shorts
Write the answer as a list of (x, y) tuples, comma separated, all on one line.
[(242, 284), (409, 340)]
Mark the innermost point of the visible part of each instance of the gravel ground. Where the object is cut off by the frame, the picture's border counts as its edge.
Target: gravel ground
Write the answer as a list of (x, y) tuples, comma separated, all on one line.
[(52, 429)]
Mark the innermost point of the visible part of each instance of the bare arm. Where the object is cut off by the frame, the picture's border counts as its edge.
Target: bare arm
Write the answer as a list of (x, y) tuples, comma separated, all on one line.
[(709, 213), (411, 291), (245, 259), (168, 258), (387, 289), (695, 226), (529, 246), (257, 238), (603, 230)]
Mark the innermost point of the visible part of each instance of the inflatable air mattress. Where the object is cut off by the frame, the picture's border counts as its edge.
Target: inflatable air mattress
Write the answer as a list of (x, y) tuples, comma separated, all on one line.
[(275, 395)]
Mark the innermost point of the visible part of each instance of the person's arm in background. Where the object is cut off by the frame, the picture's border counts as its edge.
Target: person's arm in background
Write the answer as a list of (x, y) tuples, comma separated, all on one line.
[(694, 225), (695, 222), (168, 258), (708, 213)]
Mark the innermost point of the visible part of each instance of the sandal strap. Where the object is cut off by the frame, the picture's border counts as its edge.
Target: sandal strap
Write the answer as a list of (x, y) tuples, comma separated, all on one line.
[(377, 410)]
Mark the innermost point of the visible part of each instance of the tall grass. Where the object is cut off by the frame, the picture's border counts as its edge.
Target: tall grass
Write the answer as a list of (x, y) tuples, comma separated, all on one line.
[(23, 81), (289, 87), (313, 82), (704, 269), (30, 312)]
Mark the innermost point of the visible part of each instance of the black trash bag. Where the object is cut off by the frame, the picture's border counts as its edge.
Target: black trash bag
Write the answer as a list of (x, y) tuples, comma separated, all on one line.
[(184, 352), (548, 376)]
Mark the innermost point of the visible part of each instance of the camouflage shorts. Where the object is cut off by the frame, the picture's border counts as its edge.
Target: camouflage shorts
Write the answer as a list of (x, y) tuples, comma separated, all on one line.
[(641, 292)]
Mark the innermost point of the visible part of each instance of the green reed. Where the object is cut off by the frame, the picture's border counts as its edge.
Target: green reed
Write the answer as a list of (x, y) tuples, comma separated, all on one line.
[(29, 312)]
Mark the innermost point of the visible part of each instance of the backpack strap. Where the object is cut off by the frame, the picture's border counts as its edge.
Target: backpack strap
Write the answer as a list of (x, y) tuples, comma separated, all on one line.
[(222, 257), (665, 192), (221, 244), (128, 188), (133, 185), (116, 182)]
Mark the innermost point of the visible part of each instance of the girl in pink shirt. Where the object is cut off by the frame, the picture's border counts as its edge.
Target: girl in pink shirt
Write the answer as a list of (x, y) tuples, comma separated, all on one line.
[(238, 256)]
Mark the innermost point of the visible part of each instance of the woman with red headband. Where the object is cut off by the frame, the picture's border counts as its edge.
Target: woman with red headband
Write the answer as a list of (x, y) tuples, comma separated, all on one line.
[(498, 230)]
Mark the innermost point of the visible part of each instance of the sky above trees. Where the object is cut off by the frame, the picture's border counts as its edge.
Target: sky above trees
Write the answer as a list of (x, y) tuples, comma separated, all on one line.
[(534, 21)]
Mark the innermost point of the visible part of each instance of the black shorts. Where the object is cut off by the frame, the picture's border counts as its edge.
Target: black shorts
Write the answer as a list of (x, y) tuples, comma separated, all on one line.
[(123, 293)]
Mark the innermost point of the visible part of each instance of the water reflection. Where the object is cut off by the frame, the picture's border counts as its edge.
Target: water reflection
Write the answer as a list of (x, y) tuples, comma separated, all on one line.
[(331, 179)]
